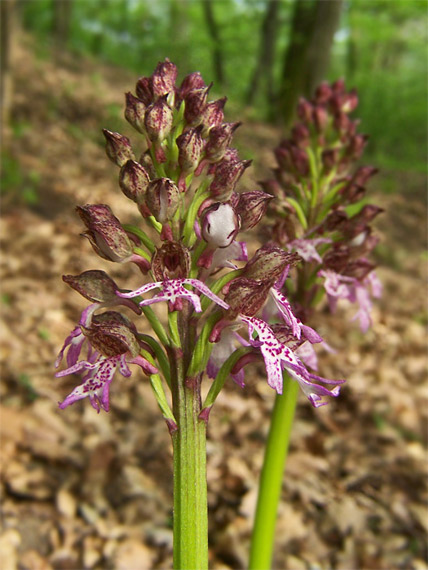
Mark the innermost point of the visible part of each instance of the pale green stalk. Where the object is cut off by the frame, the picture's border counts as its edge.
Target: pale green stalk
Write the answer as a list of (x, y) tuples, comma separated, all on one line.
[(262, 540)]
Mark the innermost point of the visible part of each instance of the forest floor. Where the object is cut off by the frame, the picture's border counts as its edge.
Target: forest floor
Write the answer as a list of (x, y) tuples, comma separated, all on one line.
[(81, 490)]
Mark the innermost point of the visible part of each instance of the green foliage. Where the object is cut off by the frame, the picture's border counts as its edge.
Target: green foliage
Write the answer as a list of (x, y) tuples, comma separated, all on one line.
[(16, 185), (379, 48)]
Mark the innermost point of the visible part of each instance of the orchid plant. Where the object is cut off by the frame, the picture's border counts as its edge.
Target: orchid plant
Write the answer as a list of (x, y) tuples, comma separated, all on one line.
[(320, 212), (222, 309)]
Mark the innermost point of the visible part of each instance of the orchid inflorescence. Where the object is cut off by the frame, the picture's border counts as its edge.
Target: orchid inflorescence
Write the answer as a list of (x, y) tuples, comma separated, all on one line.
[(224, 310), (320, 210)]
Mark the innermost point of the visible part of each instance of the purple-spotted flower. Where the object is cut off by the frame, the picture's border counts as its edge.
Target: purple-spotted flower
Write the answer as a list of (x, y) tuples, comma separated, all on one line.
[(277, 357), (306, 248), (173, 291), (111, 344), (339, 286)]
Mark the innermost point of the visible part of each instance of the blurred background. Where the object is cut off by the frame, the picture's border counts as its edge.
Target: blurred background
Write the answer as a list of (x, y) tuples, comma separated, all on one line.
[(88, 491)]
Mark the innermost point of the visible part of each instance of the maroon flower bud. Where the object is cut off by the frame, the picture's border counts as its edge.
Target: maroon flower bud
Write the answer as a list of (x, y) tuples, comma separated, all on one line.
[(342, 123), (330, 158), (323, 93), (349, 101), (163, 78), (368, 213), (190, 83), (356, 146), (158, 120), (190, 145), (334, 221), (300, 160), (112, 334), (134, 112), (212, 115), (118, 147), (162, 199), (226, 176), (338, 87), (337, 258), (246, 297), (171, 261), (300, 135), (353, 193), (95, 285), (105, 232), (220, 224), (320, 118), (219, 139), (271, 187), (195, 102), (284, 231), (363, 174), (134, 180), (269, 263), (144, 90), (359, 269), (251, 206), (304, 110), (146, 162)]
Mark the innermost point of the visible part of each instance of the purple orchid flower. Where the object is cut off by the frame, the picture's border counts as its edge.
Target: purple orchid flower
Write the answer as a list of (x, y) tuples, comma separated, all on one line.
[(306, 248), (221, 352), (172, 290), (343, 287), (96, 384), (277, 356)]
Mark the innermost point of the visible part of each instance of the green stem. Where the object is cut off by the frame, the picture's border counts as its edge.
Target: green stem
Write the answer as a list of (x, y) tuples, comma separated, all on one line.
[(276, 450), (189, 452)]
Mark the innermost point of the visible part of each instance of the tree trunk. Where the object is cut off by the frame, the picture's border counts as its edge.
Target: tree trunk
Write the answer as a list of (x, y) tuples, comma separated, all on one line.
[(179, 22), (294, 68), (308, 54), (7, 43), (217, 54), (62, 10), (327, 17), (266, 57)]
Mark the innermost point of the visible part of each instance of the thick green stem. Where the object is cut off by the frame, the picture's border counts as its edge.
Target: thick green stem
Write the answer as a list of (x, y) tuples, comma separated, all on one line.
[(189, 449), (262, 540)]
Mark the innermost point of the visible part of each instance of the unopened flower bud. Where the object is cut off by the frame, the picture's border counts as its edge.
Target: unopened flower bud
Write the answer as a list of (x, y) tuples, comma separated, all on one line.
[(334, 221), (118, 147), (329, 158), (300, 135), (163, 78), (226, 176), (337, 258), (356, 146), (212, 115), (134, 180), (195, 102), (284, 231), (320, 118), (323, 93), (220, 224), (245, 296), (105, 232), (144, 90), (171, 261), (112, 334), (269, 263), (190, 145), (359, 269), (190, 83), (158, 120), (304, 110), (219, 139), (349, 101), (95, 285), (134, 112), (363, 174), (251, 206), (162, 199)]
